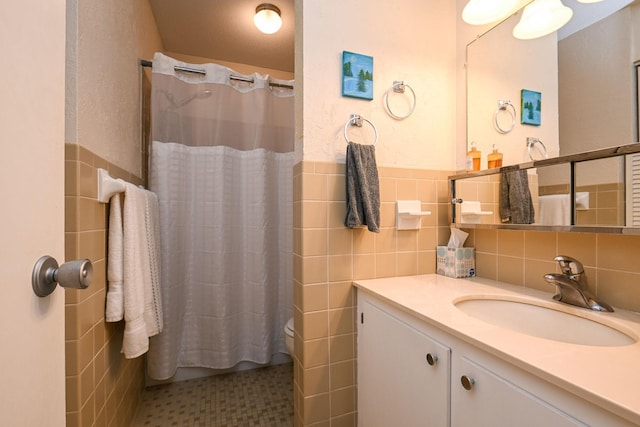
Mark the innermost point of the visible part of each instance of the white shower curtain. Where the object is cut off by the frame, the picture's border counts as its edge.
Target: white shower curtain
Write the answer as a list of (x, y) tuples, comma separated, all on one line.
[(221, 162)]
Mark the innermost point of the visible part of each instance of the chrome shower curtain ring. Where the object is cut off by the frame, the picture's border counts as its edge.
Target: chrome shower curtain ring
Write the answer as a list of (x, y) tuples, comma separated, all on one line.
[(533, 141), (511, 110), (399, 87), (356, 120)]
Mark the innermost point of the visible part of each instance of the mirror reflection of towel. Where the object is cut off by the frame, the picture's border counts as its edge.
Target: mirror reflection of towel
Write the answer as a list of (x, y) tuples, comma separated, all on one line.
[(362, 187), (554, 209), (516, 206)]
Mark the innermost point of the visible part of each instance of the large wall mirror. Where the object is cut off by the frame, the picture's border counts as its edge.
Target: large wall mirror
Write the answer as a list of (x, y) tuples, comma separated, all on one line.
[(587, 78)]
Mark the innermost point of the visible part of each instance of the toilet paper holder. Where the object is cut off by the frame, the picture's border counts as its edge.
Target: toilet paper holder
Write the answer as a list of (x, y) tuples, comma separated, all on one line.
[(47, 274)]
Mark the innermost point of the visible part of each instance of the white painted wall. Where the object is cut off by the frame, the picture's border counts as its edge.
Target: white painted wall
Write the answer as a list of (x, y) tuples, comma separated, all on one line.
[(105, 41), (635, 31), (586, 14), (465, 34), (410, 40), (499, 66), (468, 34), (598, 106)]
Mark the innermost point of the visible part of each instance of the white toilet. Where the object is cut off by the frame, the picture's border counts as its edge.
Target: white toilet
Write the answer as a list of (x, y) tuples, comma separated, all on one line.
[(288, 336)]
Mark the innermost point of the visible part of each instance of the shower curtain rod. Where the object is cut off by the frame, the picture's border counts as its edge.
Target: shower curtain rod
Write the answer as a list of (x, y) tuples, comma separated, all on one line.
[(145, 63)]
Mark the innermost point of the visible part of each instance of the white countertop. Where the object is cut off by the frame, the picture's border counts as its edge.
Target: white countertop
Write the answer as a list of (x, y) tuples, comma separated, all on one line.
[(606, 376)]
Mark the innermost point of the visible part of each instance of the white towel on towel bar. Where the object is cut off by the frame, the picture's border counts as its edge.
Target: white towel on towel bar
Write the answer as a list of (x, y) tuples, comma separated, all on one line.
[(140, 270), (115, 258), (555, 209)]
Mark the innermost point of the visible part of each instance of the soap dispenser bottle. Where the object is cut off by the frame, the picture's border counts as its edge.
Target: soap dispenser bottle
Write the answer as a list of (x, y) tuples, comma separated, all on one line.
[(494, 160), (473, 158)]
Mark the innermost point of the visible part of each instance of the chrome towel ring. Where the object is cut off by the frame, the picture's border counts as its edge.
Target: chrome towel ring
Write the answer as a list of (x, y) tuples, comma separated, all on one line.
[(356, 120), (399, 87), (511, 110), (531, 141)]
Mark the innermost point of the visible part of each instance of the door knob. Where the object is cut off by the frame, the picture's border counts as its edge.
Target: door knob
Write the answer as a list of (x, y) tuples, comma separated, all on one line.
[(73, 274)]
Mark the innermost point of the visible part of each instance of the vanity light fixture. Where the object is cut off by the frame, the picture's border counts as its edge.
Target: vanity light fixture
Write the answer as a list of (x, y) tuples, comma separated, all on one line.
[(480, 12), (267, 18), (542, 17)]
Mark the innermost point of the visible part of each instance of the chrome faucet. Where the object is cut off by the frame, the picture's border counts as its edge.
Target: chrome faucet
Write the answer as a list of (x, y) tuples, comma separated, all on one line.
[(572, 286)]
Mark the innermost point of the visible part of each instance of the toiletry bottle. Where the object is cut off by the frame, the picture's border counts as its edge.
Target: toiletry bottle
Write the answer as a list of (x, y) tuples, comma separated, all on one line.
[(494, 160), (473, 158)]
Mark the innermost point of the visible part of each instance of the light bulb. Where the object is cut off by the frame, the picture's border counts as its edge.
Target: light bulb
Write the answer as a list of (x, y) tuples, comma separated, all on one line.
[(267, 18), (540, 18), (480, 12)]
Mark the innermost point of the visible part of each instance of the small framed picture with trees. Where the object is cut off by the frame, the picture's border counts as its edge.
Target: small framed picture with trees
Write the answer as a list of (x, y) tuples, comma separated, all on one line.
[(357, 75), (531, 107)]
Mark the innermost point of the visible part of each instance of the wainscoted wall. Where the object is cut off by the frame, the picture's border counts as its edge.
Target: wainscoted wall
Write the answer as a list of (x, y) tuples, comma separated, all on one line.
[(523, 257), (328, 257), (102, 387), (606, 202), (486, 189), (103, 127)]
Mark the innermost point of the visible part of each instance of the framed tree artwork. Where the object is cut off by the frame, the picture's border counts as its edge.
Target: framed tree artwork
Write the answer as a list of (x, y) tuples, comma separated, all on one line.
[(357, 75), (530, 107)]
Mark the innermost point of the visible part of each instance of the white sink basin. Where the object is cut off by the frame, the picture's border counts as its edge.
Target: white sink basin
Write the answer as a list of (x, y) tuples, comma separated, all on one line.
[(547, 322)]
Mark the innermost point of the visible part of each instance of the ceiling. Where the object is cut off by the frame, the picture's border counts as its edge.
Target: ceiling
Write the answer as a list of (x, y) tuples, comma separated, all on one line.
[(224, 30)]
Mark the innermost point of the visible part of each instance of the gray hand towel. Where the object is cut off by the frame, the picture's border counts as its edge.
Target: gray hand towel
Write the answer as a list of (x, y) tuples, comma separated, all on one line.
[(363, 189), (516, 206)]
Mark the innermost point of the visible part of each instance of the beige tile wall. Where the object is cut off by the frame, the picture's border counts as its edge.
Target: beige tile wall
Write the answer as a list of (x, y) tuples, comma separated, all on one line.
[(328, 257), (523, 257), (102, 388), (486, 189), (606, 205), (546, 190)]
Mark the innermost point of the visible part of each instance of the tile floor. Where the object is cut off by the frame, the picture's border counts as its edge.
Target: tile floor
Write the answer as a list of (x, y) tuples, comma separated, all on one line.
[(258, 397)]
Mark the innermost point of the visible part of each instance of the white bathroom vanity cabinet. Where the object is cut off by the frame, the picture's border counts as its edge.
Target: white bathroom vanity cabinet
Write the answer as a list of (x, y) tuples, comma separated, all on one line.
[(412, 372), (396, 383)]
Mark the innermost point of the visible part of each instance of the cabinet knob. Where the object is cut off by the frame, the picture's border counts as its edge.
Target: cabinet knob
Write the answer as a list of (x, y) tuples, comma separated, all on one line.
[(467, 382), (431, 359)]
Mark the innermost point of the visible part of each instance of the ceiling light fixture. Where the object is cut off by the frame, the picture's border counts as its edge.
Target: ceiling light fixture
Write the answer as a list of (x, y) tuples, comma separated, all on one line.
[(542, 17), (480, 12), (267, 18)]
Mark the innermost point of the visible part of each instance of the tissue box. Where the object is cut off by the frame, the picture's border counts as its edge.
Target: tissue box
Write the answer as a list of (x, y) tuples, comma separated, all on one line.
[(456, 262)]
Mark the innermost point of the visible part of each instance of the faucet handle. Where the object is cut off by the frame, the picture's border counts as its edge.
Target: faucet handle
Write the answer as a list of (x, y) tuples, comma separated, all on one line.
[(569, 266)]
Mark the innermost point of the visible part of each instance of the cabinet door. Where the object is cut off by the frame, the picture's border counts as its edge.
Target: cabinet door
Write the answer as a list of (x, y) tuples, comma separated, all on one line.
[(397, 386), (494, 401)]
